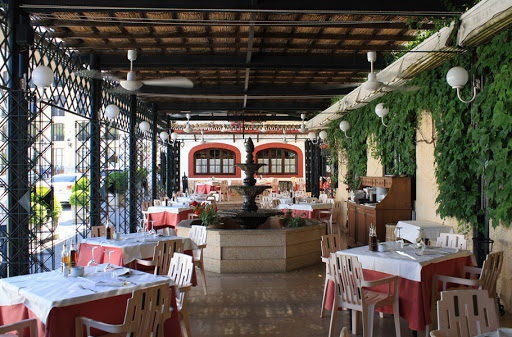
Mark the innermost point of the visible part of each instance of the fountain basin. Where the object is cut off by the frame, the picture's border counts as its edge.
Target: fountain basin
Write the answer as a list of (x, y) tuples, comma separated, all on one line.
[(261, 250), (249, 219)]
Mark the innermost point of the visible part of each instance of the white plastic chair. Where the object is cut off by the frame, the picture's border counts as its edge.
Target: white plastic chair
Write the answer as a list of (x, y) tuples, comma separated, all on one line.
[(180, 271), (5, 330), (198, 235), (452, 241), (329, 244), (162, 255)]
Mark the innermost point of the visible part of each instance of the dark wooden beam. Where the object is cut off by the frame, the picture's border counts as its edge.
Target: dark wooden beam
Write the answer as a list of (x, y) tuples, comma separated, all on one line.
[(221, 35), (228, 106), (354, 62), (368, 6), (247, 118)]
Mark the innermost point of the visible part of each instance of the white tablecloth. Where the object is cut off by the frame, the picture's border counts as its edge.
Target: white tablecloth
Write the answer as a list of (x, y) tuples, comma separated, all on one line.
[(41, 292), (431, 230), (284, 200), (137, 245), (408, 265), (170, 209), (305, 206)]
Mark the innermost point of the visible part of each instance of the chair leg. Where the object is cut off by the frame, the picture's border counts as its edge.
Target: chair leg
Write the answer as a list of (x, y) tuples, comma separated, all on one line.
[(184, 319), (355, 322), (396, 314), (334, 312), (325, 295), (368, 314), (203, 276)]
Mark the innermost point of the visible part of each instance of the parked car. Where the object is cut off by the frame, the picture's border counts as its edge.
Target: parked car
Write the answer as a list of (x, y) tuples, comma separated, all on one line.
[(62, 184)]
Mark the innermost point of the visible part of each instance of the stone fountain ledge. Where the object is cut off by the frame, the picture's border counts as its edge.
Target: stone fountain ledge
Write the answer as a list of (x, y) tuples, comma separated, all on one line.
[(261, 250)]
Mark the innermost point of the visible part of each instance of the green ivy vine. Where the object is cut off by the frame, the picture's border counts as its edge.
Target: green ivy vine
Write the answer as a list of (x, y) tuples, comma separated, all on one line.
[(473, 142)]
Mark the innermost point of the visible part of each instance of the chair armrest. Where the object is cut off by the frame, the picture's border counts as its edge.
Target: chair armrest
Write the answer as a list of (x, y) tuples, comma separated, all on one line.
[(90, 323), (472, 271), (325, 259), (149, 263), (379, 282), (184, 289), (437, 333), (18, 326), (456, 280), (201, 246)]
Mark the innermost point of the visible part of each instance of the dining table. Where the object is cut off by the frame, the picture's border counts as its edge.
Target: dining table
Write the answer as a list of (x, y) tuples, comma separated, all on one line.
[(410, 229), (167, 216), (207, 187), (55, 300), (415, 274), (306, 209)]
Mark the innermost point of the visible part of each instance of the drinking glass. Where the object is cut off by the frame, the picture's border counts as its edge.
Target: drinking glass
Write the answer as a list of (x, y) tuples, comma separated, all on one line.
[(399, 239), (92, 262), (152, 231), (142, 226), (108, 267)]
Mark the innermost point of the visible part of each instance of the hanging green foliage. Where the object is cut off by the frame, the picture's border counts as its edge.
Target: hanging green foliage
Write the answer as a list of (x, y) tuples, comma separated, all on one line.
[(473, 146)]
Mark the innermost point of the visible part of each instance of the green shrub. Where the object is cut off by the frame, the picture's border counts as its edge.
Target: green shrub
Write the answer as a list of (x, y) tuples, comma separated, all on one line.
[(79, 198), (82, 184), (118, 182), (37, 197)]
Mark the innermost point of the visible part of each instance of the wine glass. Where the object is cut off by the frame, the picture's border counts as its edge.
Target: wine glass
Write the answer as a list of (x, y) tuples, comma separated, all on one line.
[(92, 262), (399, 239), (142, 226), (108, 267), (152, 231)]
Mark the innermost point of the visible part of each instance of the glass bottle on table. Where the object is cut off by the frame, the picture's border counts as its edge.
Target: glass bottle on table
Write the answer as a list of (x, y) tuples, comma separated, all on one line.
[(108, 232), (65, 267), (73, 256)]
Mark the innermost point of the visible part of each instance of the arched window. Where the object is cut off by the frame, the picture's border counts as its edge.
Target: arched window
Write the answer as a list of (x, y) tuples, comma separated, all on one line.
[(279, 161), (214, 161)]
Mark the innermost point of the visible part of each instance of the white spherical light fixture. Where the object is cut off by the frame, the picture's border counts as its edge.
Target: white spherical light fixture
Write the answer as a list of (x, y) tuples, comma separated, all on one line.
[(131, 83), (174, 136), (144, 126), (42, 76), (111, 111), (164, 136), (457, 77), (344, 126), (323, 135), (311, 135), (381, 110)]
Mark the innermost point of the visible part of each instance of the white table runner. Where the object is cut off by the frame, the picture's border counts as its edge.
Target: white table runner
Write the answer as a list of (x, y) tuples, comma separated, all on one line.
[(431, 230), (41, 292), (310, 207), (403, 261), (138, 245)]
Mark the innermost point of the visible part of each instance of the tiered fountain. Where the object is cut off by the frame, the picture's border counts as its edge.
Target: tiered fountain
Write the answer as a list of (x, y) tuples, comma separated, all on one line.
[(249, 216)]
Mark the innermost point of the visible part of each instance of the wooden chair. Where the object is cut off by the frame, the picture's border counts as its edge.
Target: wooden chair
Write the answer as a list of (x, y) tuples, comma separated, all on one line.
[(18, 327), (146, 312), (192, 216), (351, 292), (488, 277), (275, 203), (164, 251), (157, 202), (98, 231), (465, 313), (198, 235), (452, 241), (330, 217), (329, 244), (224, 191), (180, 271)]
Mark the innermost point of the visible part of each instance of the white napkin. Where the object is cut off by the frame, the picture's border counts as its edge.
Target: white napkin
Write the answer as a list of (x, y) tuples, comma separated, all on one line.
[(123, 272)]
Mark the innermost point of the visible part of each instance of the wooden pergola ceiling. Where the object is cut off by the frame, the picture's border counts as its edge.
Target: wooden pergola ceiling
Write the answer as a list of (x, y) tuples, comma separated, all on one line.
[(263, 58)]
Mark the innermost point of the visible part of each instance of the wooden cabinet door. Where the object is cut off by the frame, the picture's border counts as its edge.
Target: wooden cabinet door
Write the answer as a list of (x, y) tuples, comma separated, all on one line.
[(361, 236), (352, 222)]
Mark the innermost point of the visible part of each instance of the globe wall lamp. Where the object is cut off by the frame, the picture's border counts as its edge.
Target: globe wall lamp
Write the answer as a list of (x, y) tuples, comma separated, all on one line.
[(457, 77), (381, 111), (42, 76), (111, 112), (322, 137), (144, 126), (344, 126)]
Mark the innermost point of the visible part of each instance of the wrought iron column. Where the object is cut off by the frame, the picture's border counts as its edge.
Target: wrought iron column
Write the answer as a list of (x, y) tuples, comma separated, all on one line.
[(95, 155), (132, 165), (168, 165), (18, 168), (153, 153)]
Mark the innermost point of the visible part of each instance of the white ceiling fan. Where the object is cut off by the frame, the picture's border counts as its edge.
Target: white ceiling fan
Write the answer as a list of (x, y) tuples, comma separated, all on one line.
[(373, 84), (131, 83)]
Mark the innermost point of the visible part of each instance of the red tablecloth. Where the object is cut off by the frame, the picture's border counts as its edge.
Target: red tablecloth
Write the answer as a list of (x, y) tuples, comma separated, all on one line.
[(305, 214), (61, 320), (414, 297), (207, 188), (167, 219), (116, 257)]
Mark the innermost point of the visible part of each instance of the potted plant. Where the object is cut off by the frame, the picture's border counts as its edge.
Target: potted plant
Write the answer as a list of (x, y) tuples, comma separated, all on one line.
[(41, 205), (118, 185), (207, 213), (291, 221)]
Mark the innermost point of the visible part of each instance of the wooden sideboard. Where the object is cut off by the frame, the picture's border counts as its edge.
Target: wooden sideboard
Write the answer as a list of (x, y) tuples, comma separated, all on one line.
[(395, 206)]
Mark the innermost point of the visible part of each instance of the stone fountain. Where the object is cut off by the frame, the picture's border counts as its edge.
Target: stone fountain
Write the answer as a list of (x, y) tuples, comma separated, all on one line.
[(249, 216)]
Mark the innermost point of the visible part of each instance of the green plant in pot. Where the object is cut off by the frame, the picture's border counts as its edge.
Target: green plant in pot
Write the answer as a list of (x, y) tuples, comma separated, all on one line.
[(118, 182), (79, 198), (41, 204), (291, 221), (207, 213)]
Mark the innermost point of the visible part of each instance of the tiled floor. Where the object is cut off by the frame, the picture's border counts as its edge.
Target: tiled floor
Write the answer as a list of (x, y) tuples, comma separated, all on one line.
[(273, 304)]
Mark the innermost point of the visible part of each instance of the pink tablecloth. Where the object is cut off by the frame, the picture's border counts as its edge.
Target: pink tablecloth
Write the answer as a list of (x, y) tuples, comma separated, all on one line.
[(167, 219), (61, 320), (207, 188), (414, 297)]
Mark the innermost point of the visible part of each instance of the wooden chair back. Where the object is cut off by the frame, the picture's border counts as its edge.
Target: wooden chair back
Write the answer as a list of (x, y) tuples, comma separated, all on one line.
[(157, 202), (322, 197), (490, 271), (180, 271), (147, 310), (98, 231), (198, 235), (145, 205), (330, 244), (163, 254), (275, 203), (19, 326), (465, 313), (452, 241), (348, 273)]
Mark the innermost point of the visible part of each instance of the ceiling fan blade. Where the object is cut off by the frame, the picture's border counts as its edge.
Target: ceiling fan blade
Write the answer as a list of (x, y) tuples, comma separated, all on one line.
[(96, 74), (180, 82)]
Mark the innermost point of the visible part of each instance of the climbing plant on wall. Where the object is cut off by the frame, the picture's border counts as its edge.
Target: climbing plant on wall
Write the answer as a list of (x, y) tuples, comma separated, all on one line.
[(474, 142)]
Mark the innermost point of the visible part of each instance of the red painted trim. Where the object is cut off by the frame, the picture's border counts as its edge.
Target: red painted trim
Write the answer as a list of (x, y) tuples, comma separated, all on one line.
[(300, 158), (238, 157)]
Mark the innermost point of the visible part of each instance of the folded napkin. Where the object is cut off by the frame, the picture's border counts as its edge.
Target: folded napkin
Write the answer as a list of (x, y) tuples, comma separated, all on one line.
[(110, 283), (123, 272)]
